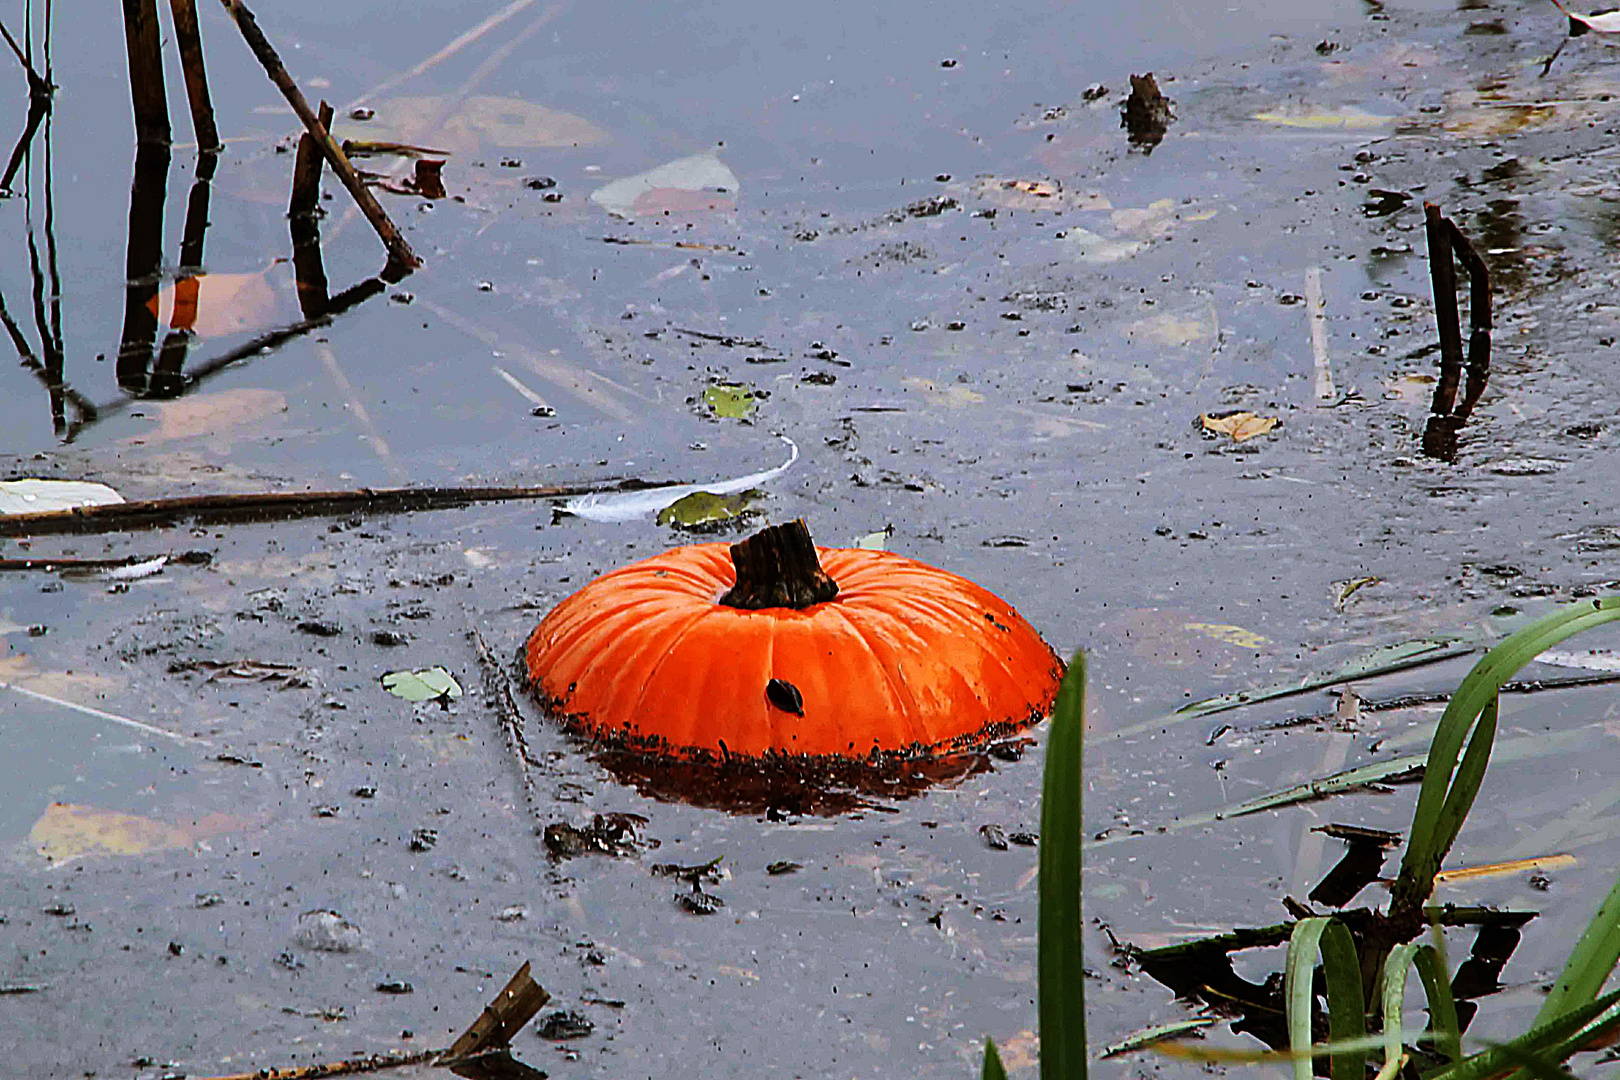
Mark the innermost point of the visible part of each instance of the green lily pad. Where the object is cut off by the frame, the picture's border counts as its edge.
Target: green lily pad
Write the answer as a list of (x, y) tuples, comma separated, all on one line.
[(704, 511), (429, 684), (733, 401)]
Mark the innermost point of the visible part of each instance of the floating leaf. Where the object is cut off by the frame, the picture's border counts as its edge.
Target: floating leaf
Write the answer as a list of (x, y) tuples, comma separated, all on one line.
[(1018, 194), (878, 541), (732, 401), (66, 832), (1343, 118), (39, 496), (1086, 246), (631, 505), (699, 182), (703, 509), (429, 684), (474, 123), (1232, 635), (1241, 426)]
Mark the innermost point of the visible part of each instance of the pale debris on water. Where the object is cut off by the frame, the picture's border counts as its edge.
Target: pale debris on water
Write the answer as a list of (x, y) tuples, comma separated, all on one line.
[(38, 496), (631, 505), (700, 172)]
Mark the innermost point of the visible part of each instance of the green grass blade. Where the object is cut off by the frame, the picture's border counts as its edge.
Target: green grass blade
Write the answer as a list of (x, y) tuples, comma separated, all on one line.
[(992, 1063), (1347, 1013), (1298, 972), (1428, 842), (1442, 1008), (1470, 777), (1555, 1040), (1397, 965), (1062, 972), (1590, 962)]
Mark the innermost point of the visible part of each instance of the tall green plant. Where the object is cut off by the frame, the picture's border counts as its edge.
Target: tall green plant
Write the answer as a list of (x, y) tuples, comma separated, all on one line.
[(1061, 970), (1445, 798)]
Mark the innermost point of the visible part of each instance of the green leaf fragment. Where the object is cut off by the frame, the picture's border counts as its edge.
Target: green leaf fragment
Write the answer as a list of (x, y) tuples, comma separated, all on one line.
[(704, 508), (730, 401), (429, 684)]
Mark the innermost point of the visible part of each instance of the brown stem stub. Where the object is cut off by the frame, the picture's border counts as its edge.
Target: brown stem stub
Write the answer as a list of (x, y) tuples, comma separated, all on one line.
[(777, 567)]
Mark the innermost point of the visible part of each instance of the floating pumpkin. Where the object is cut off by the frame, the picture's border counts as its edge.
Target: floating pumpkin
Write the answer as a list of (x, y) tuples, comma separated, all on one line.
[(773, 647)]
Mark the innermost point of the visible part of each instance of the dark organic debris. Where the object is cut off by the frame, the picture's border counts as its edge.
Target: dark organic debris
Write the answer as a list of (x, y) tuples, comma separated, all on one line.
[(607, 834), (565, 1024), (994, 836), (694, 876), (698, 902), (1146, 115), (424, 839), (395, 986), (783, 866)]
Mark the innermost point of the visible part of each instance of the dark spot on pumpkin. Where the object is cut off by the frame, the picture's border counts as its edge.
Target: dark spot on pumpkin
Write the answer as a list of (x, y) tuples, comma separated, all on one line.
[(991, 619), (785, 696)]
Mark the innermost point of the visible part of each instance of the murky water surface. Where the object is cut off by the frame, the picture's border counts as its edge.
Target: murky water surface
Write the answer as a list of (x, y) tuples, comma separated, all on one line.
[(921, 248)]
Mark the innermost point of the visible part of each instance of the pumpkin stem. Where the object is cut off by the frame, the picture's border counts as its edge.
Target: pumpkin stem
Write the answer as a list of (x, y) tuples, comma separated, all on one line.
[(776, 568)]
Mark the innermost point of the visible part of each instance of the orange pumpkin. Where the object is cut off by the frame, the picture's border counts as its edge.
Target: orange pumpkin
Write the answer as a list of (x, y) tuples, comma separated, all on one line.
[(694, 655)]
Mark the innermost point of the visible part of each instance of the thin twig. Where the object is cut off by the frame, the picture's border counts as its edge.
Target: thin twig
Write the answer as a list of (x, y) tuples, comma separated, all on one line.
[(1316, 311), (351, 1067), (500, 688), (399, 250), (37, 86), (258, 507)]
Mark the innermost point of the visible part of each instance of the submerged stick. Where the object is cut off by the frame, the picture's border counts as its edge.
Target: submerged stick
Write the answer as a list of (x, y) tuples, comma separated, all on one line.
[(189, 38), (500, 688), (306, 179), (399, 250), (286, 505)]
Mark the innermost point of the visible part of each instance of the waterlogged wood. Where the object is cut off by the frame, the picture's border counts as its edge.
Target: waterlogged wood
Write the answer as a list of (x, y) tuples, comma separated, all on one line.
[(189, 38), (502, 1018), (352, 1067), (285, 506), (145, 50)]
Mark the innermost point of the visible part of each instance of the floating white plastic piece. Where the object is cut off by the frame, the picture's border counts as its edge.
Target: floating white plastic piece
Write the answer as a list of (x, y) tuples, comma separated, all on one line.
[(630, 505), (38, 496)]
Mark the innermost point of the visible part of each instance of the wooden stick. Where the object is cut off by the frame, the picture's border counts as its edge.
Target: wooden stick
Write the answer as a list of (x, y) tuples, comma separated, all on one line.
[(306, 180), (189, 38), (351, 1067), (500, 689), (285, 505), (399, 251), (502, 1018), (1479, 319), (1316, 311), (1443, 278), (146, 71)]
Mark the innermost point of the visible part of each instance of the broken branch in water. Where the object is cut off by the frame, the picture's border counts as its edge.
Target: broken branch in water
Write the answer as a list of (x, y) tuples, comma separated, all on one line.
[(488, 1036), (286, 505), (399, 250)]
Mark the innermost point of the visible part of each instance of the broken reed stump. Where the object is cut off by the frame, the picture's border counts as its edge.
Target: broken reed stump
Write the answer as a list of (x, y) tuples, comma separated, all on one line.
[(399, 250), (307, 166), (145, 50), (1446, 417), (189, 38)]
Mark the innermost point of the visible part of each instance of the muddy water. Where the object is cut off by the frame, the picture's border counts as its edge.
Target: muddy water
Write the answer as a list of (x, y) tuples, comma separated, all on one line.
[(1048, 446)]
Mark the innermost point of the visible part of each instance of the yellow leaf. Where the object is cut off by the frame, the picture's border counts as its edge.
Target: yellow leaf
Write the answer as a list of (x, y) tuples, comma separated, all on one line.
[(1240, 426), (1232, 635), (474, 123), (1347, 117), (66, 832)]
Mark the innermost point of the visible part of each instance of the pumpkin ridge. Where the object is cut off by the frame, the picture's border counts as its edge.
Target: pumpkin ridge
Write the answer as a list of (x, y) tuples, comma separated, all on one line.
[(900, 700), (605, 613), (946, 608), (668, 651)]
